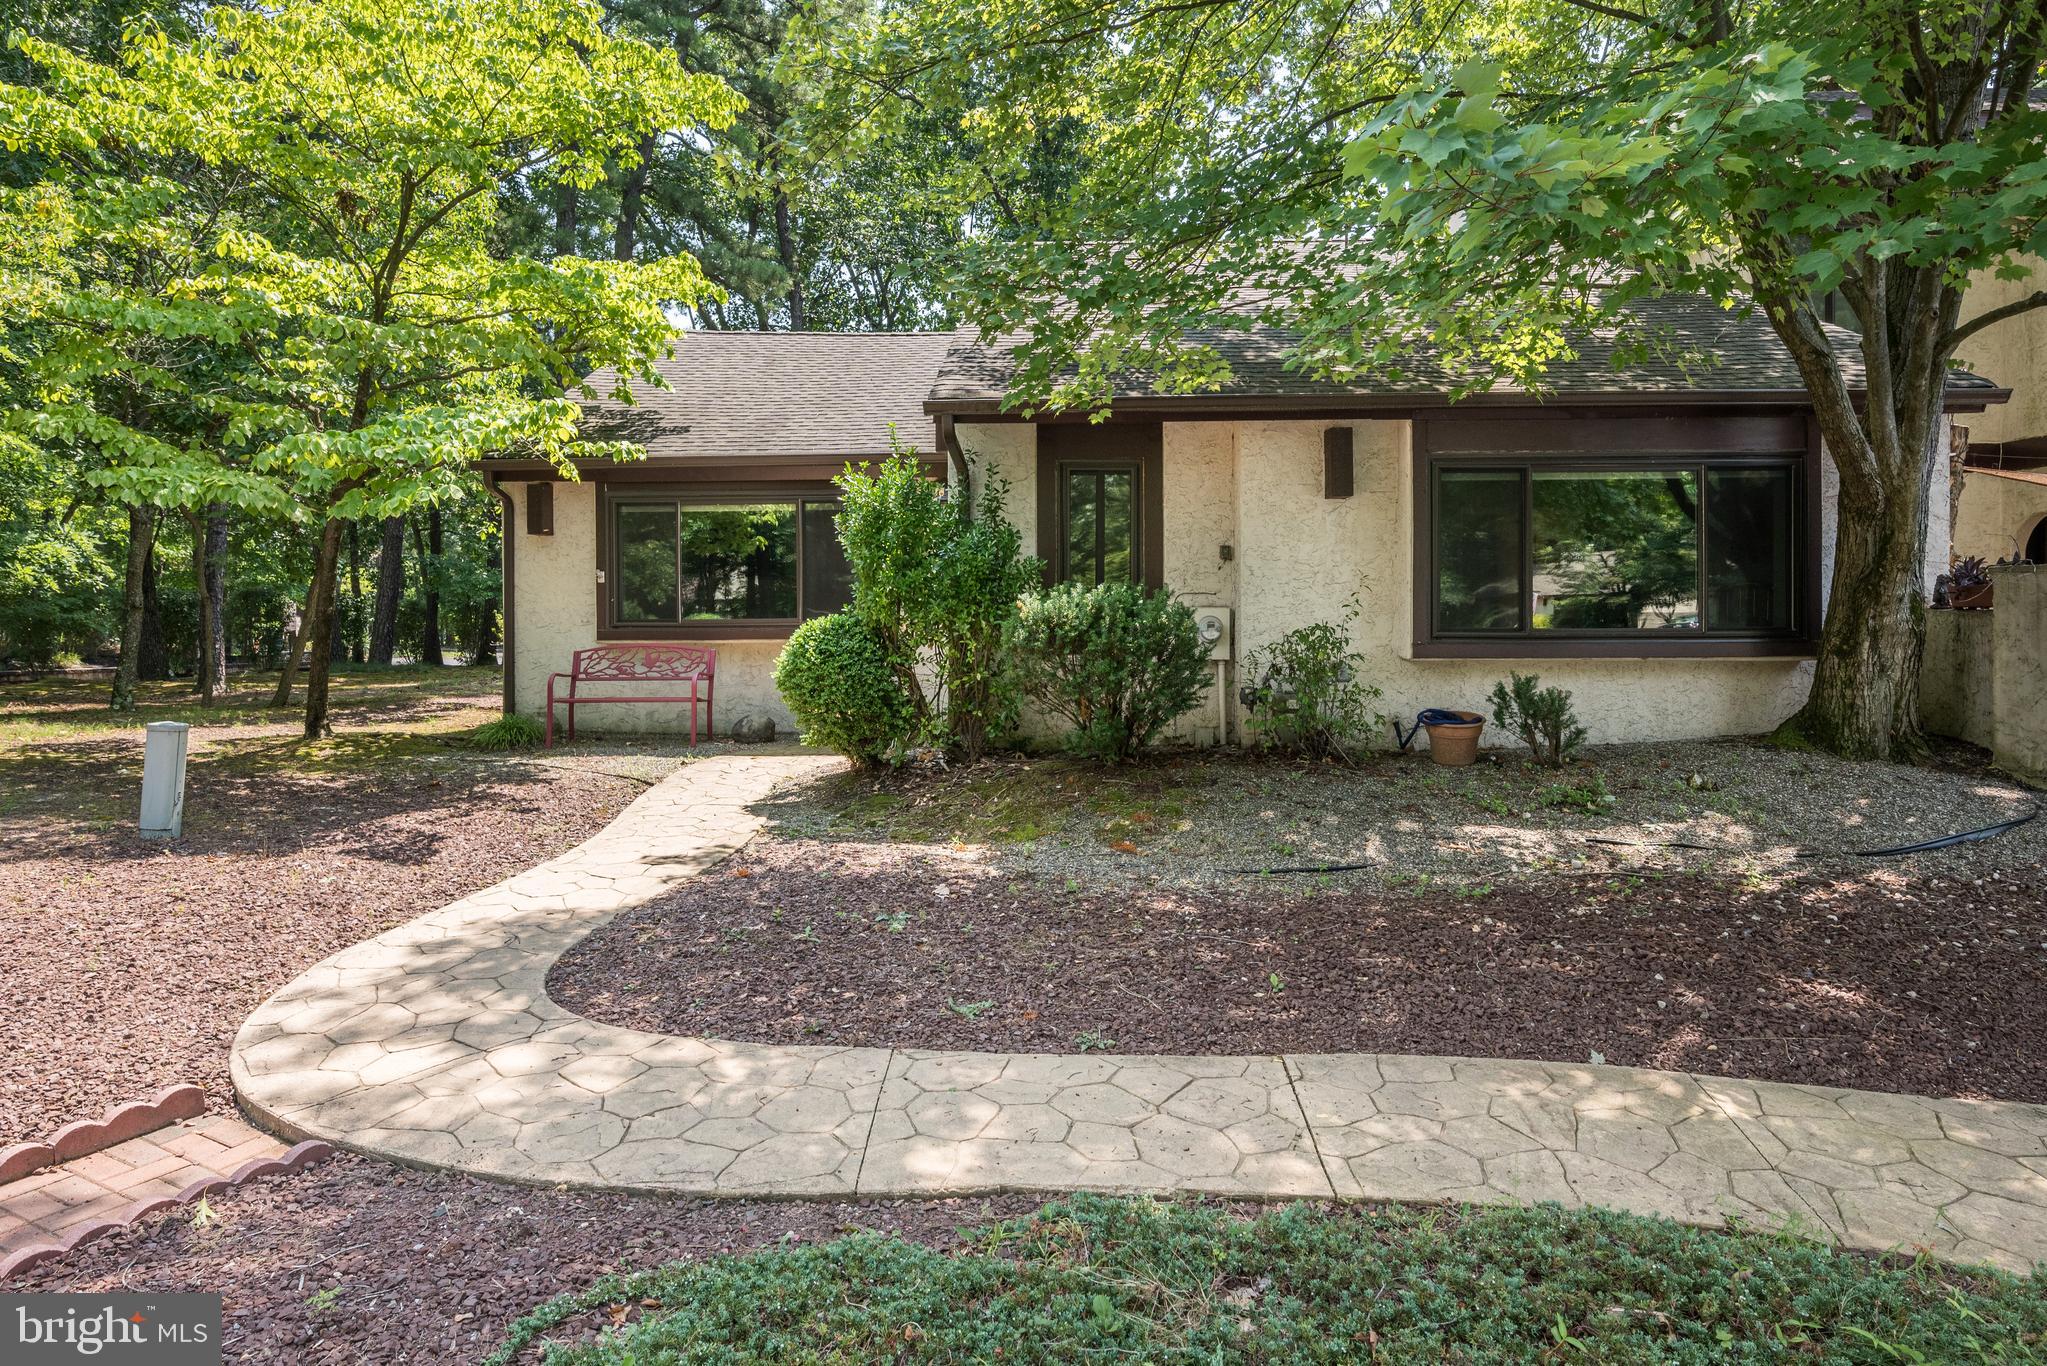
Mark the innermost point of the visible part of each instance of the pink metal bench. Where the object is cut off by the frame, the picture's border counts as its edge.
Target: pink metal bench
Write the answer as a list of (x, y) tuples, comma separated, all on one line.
[(695, 665)]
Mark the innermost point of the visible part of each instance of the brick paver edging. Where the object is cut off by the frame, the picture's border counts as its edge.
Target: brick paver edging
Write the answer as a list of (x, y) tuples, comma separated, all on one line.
[(435, 1044), (118, 1125), (19, 1258)]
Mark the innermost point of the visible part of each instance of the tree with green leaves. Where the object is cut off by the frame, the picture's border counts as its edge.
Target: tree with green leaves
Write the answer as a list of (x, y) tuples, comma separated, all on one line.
[(380, 339), (1498, 180)]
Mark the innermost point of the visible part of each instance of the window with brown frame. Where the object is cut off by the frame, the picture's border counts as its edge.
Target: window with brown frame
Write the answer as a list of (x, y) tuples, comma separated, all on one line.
[(1616, 549), (694, 564), (1098, 516)]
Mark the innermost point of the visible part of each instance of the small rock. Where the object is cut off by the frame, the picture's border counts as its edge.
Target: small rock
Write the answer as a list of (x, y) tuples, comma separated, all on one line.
[(754, 730)]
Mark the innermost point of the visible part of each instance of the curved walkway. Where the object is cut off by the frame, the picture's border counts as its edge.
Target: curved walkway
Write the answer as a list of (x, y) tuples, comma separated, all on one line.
[(435, 1044)]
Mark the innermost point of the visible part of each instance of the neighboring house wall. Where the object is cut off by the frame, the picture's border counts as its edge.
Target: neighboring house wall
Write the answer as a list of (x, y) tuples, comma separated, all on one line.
[(555, 582), (1998, 513), (2013, 353)]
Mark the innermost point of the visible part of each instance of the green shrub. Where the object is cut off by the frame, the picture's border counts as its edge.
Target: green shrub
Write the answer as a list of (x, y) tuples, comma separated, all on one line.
[(508, 732), (1542, 717), (936, 580), (1117, 662), (844, 688), (1092, 1279), (1307, 698)]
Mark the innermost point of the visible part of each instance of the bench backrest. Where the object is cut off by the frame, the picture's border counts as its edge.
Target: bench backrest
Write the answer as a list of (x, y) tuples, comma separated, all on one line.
[(649, 663)]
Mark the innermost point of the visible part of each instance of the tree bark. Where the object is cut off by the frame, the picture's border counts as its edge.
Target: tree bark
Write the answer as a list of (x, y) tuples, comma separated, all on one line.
[(483, 641), (289, 671), (390, 592), (429, 557), (209, 572), (630, 198), (565, 221), (320, 628), (354, 619), (153, 661), (141, 541), (785, 248)]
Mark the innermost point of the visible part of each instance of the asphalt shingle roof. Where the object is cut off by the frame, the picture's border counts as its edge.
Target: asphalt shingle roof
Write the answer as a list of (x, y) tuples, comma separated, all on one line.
[(767, 395), (1713, 350), (777, 394)]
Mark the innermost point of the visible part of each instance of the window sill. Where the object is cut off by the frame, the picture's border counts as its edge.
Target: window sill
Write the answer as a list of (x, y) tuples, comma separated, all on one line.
[(1615, 649), (706, 631)]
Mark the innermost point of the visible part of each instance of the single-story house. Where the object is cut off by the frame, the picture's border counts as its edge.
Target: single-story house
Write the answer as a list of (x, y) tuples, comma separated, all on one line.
[(1655, 537)]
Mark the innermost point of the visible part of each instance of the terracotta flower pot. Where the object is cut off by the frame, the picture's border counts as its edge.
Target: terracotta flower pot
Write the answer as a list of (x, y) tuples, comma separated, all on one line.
[(1455, 744), (1975, 596)]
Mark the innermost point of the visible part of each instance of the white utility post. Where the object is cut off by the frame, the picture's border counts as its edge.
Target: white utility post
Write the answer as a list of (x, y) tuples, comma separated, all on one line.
[(163, 780)]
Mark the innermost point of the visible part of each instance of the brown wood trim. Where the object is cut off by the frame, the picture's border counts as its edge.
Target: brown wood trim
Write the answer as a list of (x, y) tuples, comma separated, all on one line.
[(1744, 443), (701, 471), (1140, 446), (1645, 434), (778, 628), (1638, 647), (507, 538), (1239, 407)]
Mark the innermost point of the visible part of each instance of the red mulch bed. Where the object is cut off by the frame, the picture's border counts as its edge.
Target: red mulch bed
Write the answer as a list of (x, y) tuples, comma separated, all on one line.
[(130, 964), (1882, 983), (428, 1267)]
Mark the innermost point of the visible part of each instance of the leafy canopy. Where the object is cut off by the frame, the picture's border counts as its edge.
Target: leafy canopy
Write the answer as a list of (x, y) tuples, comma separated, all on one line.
[(315, 185)]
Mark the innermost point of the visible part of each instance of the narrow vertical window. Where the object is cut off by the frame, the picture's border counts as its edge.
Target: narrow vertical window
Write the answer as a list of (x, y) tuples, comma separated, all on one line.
[(1099, 508)]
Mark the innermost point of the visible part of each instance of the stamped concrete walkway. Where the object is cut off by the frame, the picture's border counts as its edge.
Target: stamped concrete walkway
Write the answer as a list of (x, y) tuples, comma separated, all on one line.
[(436, 1044)]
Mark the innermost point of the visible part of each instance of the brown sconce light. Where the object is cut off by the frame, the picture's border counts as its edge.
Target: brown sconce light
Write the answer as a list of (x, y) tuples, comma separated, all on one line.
[(540, 509)]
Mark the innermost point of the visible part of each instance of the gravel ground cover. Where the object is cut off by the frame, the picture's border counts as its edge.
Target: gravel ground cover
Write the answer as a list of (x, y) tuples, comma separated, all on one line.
[(1756, 812), (356, 1262), (131, 963), (1883, 981)]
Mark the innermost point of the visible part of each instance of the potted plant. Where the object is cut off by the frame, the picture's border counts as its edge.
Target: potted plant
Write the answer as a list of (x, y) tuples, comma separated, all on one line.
[(1968, 585)]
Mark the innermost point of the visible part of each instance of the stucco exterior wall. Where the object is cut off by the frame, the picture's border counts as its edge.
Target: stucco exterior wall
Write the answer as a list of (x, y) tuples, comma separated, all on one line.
[(2019, 669), (2013, 353), (1294, 558), (1301, 556), (1955, 687), (1985, 678), (555, 607), (1997, 514)]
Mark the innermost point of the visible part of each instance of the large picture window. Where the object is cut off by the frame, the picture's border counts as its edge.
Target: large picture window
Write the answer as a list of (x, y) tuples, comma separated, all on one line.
[(691, 563), (1663, 548), (1098, 520)]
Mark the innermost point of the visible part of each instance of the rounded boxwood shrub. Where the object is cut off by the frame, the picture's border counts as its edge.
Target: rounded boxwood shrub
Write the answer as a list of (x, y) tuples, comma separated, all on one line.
[(843, 687), (1117, 662)]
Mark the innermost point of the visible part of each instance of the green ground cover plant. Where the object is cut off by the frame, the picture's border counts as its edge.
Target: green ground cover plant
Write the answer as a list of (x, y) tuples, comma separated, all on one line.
[(1093, 1278)]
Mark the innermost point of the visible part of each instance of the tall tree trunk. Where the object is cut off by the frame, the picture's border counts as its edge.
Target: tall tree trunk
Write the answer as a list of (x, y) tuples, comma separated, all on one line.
[(294, 642), (565, 220), (483, 640), (785, 248), (141, 542), (320, 616), (354, 620), (390, 592), (153, 662), (209, 572), (427, 554), (630, 199)]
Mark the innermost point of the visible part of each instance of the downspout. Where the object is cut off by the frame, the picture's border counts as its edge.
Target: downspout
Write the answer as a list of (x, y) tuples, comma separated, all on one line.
[(506, 541), (949, 442)]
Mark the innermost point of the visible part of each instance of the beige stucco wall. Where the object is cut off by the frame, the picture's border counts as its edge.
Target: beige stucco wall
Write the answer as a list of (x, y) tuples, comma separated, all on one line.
[(1294, 558), (1996, 514), (1302, 555), (1985, 678), (555, 607), (2013, 353), (1955, 681)]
